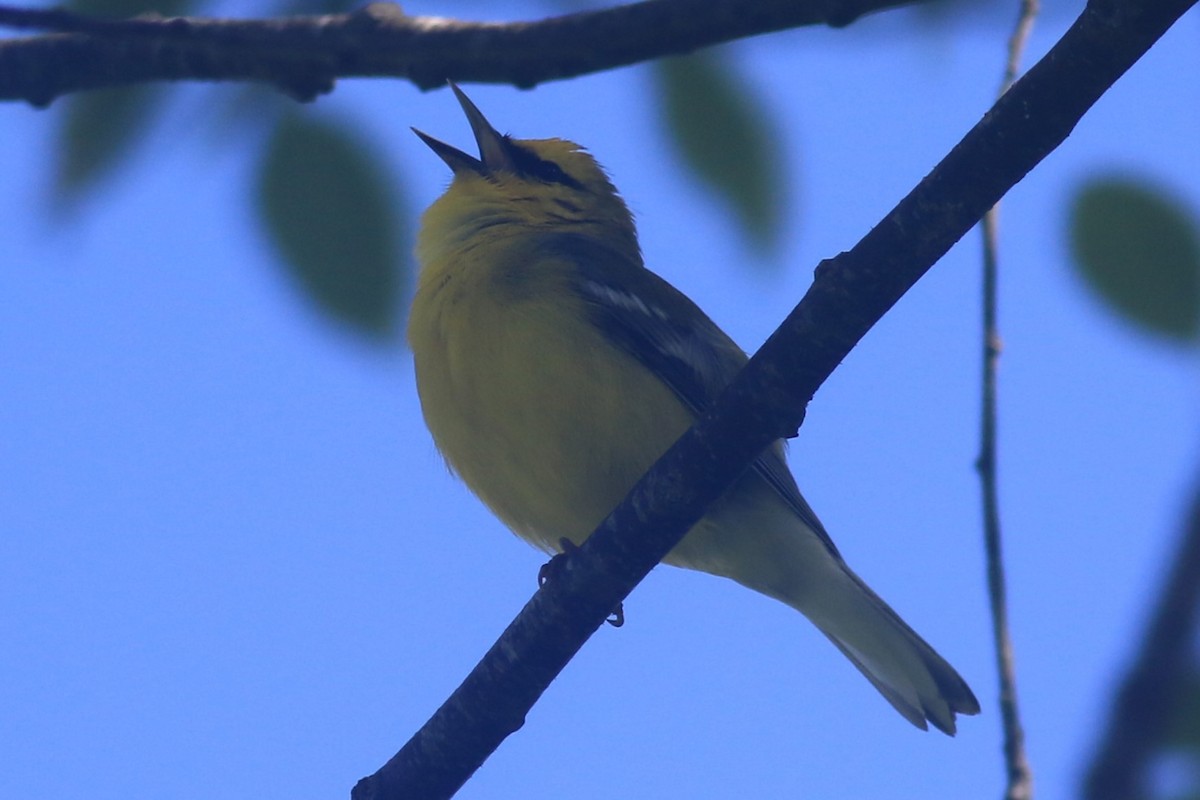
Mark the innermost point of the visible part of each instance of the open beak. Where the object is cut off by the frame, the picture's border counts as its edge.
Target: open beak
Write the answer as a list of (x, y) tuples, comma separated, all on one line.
[(493, 148)]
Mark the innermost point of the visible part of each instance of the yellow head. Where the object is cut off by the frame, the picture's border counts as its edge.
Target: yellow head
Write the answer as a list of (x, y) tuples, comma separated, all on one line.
[(520, 187)]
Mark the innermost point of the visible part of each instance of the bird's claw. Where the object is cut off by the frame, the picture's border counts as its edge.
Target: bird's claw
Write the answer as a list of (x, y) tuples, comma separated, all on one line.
[(555, 566), (557, 562)]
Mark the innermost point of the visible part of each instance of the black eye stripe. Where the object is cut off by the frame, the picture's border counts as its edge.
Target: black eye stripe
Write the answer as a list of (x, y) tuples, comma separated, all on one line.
[(531, 166)]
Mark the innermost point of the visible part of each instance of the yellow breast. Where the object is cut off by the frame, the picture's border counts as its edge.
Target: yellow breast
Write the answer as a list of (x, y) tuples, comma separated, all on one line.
[(526, 399)]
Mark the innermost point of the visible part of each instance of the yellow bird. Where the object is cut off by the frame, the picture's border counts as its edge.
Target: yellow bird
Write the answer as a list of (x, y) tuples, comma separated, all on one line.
[(554, 368)]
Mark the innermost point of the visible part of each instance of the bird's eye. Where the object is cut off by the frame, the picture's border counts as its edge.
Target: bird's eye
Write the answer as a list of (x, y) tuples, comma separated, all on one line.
[(550, 172), (531, 166)]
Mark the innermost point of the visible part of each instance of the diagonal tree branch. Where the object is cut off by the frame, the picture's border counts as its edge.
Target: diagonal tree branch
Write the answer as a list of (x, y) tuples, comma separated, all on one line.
[(305, 55), (850, 293), (1148, 700)]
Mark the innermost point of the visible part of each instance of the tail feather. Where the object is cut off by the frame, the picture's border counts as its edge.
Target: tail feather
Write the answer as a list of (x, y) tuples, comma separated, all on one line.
[(769, 548), (918, 682)]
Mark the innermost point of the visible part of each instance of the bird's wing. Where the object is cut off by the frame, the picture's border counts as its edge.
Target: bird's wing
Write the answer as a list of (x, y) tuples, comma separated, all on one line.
[(660, 327)]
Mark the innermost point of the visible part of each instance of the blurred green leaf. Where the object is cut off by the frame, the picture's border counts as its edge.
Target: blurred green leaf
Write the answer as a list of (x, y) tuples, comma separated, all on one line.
[(1140, 251), (725, 137), (99, 130), (331, 213)]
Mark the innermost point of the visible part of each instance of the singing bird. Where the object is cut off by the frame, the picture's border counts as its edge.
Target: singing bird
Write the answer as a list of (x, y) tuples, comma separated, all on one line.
[(554, 369)]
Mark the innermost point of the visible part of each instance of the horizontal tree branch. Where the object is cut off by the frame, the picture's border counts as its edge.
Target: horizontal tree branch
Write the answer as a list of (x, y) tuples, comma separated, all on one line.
[(767, 400), (305, 55)]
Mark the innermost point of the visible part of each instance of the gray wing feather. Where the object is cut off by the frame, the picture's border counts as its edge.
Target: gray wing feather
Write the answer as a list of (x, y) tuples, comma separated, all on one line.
[(671, 336)]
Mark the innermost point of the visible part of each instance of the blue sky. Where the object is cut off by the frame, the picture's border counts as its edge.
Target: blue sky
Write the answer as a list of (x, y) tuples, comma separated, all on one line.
[(232, 563)]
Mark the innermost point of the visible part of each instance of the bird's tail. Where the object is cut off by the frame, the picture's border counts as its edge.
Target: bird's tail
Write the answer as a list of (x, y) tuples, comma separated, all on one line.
[(918, 682), (764, 545)]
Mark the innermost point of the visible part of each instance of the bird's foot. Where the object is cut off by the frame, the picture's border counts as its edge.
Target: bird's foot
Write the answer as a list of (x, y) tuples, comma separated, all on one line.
[(558, 563)]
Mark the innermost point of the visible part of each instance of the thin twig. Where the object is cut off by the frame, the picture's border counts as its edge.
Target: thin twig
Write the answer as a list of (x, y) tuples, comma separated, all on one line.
[(1019, 784)]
